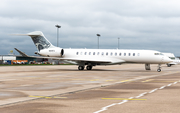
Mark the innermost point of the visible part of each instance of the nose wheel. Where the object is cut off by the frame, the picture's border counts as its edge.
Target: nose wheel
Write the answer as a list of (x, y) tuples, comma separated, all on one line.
[(159, 68)]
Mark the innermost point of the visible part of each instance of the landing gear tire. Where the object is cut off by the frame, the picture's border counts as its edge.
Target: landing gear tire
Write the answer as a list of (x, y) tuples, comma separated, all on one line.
[(159, 70), (81, 67), (88, 67)]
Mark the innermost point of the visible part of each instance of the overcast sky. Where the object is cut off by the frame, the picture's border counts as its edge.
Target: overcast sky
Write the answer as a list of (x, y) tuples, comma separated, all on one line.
[(140, 24)]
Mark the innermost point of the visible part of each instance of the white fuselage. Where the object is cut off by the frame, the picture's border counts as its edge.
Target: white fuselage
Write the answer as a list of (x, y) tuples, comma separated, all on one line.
[(114, 56)]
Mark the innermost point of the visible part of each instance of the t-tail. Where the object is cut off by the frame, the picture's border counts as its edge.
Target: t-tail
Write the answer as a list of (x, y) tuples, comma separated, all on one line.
[(40, 40), (44, 47)]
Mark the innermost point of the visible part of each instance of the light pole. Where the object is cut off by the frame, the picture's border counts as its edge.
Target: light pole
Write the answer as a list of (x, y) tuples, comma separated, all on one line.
[(98, 39), (58, 26), (118, 42)]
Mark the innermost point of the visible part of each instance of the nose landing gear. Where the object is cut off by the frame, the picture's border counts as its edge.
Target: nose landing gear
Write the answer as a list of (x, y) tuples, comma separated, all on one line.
[(159, 68)]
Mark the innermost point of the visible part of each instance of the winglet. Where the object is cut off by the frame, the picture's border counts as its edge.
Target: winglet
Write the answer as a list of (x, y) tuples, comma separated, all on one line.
[(22, 53)]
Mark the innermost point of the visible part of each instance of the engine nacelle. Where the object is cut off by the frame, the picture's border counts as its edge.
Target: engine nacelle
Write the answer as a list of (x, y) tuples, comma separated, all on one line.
[(62, 52)]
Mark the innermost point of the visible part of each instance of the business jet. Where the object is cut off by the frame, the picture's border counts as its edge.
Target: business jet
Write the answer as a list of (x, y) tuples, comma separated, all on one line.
[(94, 57)]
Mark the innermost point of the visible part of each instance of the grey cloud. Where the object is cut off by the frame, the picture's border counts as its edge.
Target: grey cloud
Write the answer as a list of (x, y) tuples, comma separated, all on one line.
[(140, 24)]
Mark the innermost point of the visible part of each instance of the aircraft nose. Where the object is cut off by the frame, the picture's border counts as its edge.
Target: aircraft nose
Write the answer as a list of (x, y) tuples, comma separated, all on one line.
[(167, 60)]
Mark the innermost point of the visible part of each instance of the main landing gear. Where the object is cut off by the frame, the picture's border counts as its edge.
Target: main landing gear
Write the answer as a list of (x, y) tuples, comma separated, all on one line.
[(87, 67), (159, 68), (147, 67), (81, 67)]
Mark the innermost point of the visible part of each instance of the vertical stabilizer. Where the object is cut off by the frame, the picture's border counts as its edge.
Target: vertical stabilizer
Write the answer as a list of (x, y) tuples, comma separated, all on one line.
[(40, 40)]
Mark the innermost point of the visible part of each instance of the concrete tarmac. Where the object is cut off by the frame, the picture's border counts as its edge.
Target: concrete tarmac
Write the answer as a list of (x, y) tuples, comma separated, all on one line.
[(125, 88)]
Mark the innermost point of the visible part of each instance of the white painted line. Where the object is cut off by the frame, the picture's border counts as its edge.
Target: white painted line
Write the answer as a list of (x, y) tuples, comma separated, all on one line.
[(99, 111), (111, 105), (105, 108), (162, 87), (153, 90), (131, 97), (175, 82), (144, 93), (169, 84), (141, 95), (138, 96), (123, 101)]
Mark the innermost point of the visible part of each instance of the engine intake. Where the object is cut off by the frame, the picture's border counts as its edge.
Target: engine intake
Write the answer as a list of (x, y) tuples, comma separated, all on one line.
[(62, 52)]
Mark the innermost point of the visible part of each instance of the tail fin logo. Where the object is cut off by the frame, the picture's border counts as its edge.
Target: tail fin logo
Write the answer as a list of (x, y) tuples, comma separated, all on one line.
[(40, 42)]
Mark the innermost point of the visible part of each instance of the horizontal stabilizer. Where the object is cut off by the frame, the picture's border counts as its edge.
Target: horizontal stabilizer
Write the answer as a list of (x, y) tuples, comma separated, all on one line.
[(22, 53), (35, 33)]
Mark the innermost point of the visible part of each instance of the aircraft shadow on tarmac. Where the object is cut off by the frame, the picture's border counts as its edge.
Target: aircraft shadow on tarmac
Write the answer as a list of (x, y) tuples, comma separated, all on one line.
[(103, 70)]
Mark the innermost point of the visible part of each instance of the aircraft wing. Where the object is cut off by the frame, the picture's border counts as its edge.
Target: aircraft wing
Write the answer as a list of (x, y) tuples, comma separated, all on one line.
[(92, 60)]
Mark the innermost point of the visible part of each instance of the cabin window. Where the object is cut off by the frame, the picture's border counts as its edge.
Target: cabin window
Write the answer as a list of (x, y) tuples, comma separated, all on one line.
[(129, 54), (89, 53), (102, 53), (107, 53), (93, 53), (85, 53), (111, 54), (158, 54), (115, 54), (119, 54), (81, 53), (138, 54), (133, 54), (98, 53), (77, 53), (124, 54)]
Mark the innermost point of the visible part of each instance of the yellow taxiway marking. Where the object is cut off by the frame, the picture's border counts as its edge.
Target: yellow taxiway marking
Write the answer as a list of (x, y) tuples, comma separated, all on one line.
[(148, 80), (45, 97), (125, 80), (121, 99)]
